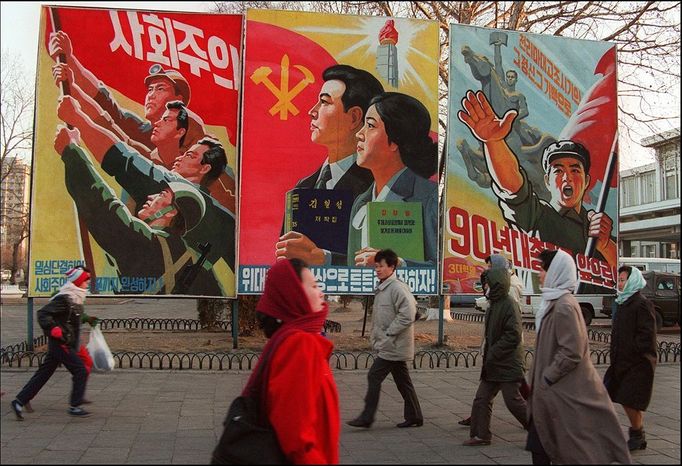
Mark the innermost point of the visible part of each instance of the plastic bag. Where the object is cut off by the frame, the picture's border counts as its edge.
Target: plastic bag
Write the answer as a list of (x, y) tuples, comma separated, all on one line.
[(102, 359)]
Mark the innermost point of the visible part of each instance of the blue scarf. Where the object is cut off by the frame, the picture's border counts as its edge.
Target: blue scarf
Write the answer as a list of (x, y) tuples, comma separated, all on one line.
[(635, 283)]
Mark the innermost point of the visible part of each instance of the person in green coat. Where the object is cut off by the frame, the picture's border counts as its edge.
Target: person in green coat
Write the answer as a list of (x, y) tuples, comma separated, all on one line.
[(503, 366)]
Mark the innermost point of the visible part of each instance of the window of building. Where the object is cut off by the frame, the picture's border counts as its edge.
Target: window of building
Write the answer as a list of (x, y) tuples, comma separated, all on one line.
[(648, 187), (629, 191), (672, 176)]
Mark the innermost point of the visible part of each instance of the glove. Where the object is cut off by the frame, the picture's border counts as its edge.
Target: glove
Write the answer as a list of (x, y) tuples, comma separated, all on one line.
[(56, 333), (90, 320)]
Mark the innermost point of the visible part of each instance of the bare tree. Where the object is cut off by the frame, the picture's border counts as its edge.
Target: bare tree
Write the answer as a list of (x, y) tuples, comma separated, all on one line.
[(16, 115), (647, 35)]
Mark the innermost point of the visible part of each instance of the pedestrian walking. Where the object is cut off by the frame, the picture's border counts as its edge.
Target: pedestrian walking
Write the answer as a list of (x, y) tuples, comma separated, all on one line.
[(392, 337), (498, 261), (301, 399), (571, 418), (61, 320), (630, 377), (503, 367)]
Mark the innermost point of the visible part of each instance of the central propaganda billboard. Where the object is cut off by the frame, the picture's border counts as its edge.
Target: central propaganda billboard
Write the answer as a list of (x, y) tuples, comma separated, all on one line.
[(340, 147), (135, 151), (532, 156)]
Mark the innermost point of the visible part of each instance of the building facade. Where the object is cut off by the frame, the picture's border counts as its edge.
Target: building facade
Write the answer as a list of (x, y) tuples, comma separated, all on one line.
[(650, 202), (14, 208)]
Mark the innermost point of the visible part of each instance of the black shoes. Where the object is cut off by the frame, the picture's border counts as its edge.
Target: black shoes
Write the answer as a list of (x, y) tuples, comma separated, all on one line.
[(465, 422), (77, 411), (417, 423), (17, 408), (637, 440), (357, 422)]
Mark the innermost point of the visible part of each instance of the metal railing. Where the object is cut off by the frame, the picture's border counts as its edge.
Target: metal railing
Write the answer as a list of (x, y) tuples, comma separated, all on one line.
[(18, 355)]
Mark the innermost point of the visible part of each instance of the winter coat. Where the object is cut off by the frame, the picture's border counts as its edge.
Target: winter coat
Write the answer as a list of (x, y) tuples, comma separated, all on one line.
[(61, 312), (630, 378), (393, 316), (302, 400), (516, 288), (503, 352), (573, 414)]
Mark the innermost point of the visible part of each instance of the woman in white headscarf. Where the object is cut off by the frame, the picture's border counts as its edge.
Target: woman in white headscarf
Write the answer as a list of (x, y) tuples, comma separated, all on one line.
[(630, 378), (572, 419)]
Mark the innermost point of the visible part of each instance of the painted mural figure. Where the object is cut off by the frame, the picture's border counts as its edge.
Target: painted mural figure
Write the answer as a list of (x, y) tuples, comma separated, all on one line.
[(562, 221), (198, 167), (163, 86), (335, 119), (154, 233), (396, 146), (499, 86)]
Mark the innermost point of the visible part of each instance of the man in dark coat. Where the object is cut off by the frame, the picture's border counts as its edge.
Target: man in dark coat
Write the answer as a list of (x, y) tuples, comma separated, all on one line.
[(502, 358), (61, 320), (630, 378)]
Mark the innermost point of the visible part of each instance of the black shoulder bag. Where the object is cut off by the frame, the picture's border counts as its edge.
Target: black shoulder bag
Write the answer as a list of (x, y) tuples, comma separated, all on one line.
[(248, 437)]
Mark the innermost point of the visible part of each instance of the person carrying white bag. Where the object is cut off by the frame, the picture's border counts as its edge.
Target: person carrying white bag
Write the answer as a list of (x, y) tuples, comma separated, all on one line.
[(102, 359)]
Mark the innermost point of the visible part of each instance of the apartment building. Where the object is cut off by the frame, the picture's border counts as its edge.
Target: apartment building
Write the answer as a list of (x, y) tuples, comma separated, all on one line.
[(14, 206), (650, 201)]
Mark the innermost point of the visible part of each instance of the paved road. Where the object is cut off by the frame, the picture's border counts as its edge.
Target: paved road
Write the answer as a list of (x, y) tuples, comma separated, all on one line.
[(164, 417)]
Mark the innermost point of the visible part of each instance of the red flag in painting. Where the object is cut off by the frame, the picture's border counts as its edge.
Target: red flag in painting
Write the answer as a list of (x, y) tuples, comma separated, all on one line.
[(595, 123)]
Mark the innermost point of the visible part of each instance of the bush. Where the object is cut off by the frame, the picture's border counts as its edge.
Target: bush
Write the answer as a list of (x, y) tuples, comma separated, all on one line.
[(345, 300), (247, 315), (211, 311)]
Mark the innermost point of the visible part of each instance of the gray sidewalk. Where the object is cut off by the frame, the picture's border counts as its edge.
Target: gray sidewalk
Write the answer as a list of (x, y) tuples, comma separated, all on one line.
[(163, 417)]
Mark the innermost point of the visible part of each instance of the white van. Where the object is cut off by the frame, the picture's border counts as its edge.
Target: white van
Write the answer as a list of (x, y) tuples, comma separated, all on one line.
[(658, 264), (591, 305)]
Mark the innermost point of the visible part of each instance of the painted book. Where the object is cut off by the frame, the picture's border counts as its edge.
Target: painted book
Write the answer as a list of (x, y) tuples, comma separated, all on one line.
[(397, 226), (320, 214)]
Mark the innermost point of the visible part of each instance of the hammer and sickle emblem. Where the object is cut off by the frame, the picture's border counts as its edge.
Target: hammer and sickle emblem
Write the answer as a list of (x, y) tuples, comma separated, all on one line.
[(284, 95)]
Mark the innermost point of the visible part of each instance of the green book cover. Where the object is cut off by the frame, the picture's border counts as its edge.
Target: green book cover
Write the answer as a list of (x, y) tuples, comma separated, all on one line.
[(398, 226)]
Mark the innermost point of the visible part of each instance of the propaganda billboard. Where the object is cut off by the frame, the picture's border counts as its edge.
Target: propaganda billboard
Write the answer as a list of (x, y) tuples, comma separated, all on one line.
[(532, 156), (339, 148), (135, 151)]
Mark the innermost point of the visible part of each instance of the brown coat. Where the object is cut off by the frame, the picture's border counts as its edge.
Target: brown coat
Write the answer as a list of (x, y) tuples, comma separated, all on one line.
[(574, 416)]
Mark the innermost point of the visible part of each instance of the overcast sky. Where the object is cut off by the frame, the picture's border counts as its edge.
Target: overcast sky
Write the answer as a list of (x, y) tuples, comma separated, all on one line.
[(19, 35)]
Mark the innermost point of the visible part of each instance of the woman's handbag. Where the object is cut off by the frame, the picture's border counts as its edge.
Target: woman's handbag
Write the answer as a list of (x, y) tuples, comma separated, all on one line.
[(245, 439), (248, 437)]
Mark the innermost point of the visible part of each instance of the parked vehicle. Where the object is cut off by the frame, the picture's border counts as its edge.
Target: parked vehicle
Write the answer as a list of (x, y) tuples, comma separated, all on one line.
[(590, 305), (658, 264), (663, 290)]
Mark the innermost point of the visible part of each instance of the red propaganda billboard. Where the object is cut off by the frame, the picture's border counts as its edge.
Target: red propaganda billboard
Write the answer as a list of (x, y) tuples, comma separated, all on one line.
[(135, 151), (316, 184)]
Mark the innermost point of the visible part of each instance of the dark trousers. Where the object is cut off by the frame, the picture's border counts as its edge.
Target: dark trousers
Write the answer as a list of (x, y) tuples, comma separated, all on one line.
[(482, 409), (401, 376), (57, 354), (534, 445)]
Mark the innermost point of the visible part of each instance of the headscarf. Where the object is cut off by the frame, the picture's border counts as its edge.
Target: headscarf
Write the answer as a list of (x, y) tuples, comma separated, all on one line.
[(498, 261), (75, 293), (284, 299), (561, 279), (635, 283)]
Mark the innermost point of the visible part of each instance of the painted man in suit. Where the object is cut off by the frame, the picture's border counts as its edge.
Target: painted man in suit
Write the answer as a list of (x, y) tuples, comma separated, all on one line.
[(335, 119)]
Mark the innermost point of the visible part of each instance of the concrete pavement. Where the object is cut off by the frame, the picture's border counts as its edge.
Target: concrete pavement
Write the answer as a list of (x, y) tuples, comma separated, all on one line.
[(175, 417)]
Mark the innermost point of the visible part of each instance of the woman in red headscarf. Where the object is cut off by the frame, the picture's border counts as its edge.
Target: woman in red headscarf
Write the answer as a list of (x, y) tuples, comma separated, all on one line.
[(301, 400)]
